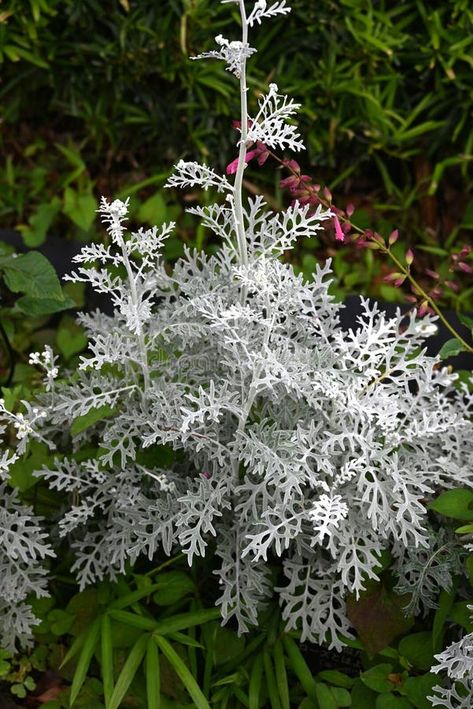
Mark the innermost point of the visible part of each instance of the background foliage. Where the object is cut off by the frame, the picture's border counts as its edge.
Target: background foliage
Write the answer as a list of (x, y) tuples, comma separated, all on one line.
[(99, 98)]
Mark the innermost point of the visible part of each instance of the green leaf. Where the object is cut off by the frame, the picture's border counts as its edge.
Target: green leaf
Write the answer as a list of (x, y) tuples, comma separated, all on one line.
[(417, 689), (270, 678), (227, 645), (281, 675), (339, 679), (445, 604), (60, 622), (85, 657), (128, 672), (454, 503), (342, 696), (464, 529), (466, 320), (154, 210), (37, 307), (378, 616), (34, 233), (184, 621), (462, 615), (81, 423), (451, 348), (81, 208), (106, 658), (256, 677), (136, 621), (376, 678), (172, 586), (70, 337), (31, 274), (299, 666), (361, 696), (391, 701), (418, 649), (182, 672), (153, 691), (21, 472), (324, 696), (469, 569)]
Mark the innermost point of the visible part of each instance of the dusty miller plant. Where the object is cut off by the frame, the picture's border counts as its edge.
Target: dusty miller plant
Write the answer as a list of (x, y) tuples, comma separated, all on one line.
[(295, 439)]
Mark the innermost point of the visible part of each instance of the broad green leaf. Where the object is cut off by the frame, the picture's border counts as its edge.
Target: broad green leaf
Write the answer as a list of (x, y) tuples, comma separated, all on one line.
[(21, 472), (70, 337), (154, 210), (324, 696), (182, 672), (342, 696), (339, 679), (31, 274), (418, 649), (128, 672), (378, 616), (37, 307), (417, 689), (152, 675), (466, 320), (376, 678), (392, 701), (227, 645), (172, 586), (106, 658), (81, 208), (60, 622), (93, 416), (461, 614), (85, 657), (34, 233), (362, 696), (454, 503), (451, 348)]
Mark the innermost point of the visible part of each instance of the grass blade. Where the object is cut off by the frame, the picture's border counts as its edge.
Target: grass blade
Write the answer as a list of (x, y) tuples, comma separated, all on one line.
[(107, 658), (128, 672), (85, 657), (153, 691), (270, 681), (136, 621), (255, 682), (281, 675), (182, 672), (186, 620), (299, 667)]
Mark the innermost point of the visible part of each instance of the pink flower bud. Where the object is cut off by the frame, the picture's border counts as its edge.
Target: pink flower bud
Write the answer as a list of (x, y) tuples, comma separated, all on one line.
[(393, 237), (327, 194), (350, 209), (432, 274), (409, 256), (465, 267)]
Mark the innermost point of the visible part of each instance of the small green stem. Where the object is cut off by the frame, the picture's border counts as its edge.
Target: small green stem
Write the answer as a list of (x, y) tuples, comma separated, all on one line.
[(427, 298), (430, 301)]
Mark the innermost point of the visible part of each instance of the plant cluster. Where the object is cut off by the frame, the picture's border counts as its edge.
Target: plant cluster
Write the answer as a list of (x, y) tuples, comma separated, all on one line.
[(221, 411)]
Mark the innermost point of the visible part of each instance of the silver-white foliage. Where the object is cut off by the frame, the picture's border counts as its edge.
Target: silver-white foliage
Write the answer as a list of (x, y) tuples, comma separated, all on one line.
[(457, 663), (23, 549), (296, 439)]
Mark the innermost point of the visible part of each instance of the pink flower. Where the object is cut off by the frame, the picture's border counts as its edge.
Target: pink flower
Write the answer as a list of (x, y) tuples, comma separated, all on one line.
[(339, 235), (260, 152)]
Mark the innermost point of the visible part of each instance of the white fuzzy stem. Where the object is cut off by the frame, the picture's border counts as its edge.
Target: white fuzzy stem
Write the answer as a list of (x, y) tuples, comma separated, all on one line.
[(238, 187)]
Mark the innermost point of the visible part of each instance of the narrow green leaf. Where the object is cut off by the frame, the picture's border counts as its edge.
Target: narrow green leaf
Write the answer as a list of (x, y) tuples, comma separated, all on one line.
[(153, 692), (445, 603), (299, 666), (85, 657), (184, 639), (128, 672), (133, 597), (106, 659), (186, 620), (281, 675), (182, 672), (271, 681), (255, 682), (136, 621)]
